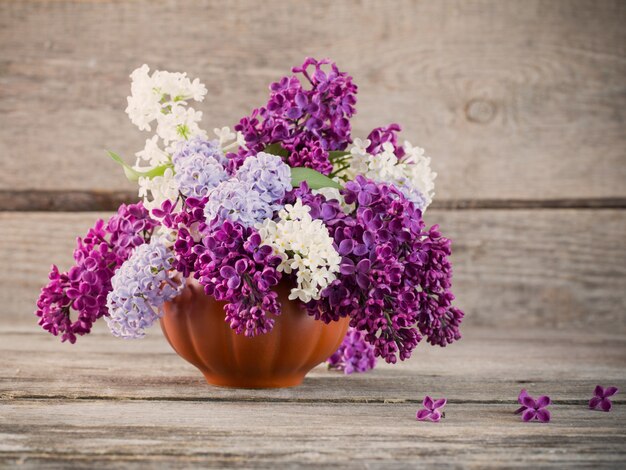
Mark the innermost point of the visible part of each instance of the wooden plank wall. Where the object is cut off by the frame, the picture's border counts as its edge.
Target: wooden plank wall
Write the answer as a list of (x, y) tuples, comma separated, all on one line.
[(520, 104)]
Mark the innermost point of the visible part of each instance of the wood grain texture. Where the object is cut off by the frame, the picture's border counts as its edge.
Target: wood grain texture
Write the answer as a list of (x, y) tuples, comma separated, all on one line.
[(563, 268), (240, 435), (135, 403), (485, 367), (513, 100)]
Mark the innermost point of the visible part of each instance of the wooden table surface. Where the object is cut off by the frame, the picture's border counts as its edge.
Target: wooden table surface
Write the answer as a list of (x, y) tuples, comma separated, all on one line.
[(114, 403), (519, 104)]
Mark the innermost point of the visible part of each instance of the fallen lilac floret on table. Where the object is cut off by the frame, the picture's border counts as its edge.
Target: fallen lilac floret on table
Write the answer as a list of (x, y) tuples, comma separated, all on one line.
[(432, 409), (533, 410), (601, 398)]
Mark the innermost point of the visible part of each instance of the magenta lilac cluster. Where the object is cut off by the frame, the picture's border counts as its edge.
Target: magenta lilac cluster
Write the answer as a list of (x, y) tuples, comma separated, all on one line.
[(82, 291)]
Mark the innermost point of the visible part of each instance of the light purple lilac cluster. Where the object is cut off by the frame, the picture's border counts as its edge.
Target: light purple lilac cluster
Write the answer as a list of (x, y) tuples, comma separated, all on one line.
[(253, 194), (354, 355), (140, 287), (308, 121), (198, 167), (83, 290)]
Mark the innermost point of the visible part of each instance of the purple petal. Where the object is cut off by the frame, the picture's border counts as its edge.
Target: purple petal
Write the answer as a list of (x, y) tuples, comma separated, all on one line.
[(428, 402), (521, 395), (529, 402), (345, 247), (362, 280), (599, 391), (422, 415), (605, 404), (435, 416), (440, 403), (543, 415), (543, 401), (610, 391), (529, 414), (227, 272), (594, 402)]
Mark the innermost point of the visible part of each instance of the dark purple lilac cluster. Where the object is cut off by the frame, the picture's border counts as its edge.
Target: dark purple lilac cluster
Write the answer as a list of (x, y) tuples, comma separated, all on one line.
[(233, 266), (354, 355), (229, 260), (84, 288), (189, 225), (308, 121), (395, 276)]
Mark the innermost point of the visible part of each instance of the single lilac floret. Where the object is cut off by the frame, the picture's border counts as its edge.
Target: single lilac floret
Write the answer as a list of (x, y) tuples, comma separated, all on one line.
[(267, 174), (140, 287), (354, 355), (601, 398), (531, 409), (431, 410)]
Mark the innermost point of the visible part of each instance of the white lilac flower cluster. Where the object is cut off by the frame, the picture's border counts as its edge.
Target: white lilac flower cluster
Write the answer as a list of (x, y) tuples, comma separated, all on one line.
[(305, 248), (163, 97), (411, 174), (140, 287)]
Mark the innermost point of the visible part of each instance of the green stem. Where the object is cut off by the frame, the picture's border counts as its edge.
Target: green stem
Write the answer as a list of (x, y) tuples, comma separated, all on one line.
[(339, 170)]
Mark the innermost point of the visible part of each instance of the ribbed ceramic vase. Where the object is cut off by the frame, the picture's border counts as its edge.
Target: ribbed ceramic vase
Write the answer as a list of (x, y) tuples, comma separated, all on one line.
[(194, 326)]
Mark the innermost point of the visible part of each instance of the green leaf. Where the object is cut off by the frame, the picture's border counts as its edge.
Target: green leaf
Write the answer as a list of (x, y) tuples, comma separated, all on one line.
[(134, 175), (334, 154), (276, 149), (314, 179)]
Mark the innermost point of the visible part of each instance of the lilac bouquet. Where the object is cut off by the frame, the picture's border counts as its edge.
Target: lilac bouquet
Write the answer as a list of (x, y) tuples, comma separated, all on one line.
[(287, 194)]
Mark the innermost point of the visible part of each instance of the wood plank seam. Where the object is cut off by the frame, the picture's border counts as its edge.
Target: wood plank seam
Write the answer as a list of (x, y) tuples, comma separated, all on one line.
[(93, 201), (346, 401)]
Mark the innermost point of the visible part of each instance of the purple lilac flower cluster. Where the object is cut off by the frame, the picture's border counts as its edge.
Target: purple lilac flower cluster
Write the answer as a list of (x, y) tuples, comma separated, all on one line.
[(233, 266), (229, 261), (306, 121), (84, 288), (395, 276), (354, 355)]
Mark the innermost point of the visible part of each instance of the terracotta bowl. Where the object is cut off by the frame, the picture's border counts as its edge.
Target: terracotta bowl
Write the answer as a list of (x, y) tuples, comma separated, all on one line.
[(194, 326)]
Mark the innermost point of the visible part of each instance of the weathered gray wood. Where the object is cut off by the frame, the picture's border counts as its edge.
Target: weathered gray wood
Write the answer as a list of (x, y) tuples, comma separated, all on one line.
[(263, 435), (94, 201), (550, 268), (512, 99), (487, 366), (114, 403)]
